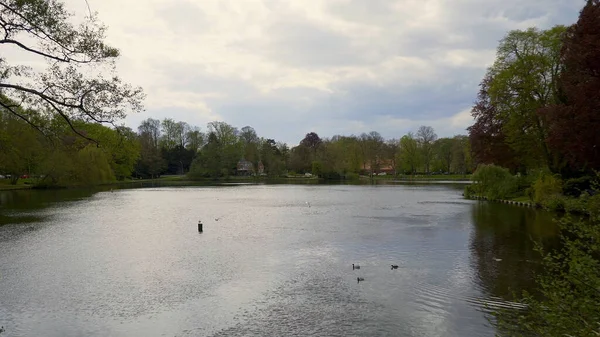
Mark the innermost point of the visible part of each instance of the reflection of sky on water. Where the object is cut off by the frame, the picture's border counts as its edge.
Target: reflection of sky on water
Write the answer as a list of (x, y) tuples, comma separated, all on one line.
[(131, 263)]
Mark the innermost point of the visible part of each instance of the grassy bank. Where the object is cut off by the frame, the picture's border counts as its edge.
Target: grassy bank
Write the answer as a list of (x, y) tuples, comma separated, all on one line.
[(22, 184)]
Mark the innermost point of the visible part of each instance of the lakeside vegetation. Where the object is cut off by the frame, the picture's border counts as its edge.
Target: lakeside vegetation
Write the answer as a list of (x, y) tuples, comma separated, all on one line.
[(536, 138)]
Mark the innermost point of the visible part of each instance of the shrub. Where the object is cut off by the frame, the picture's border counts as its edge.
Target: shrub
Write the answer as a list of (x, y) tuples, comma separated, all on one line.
[(317, 168), (547, 186), (569, 285), (493, 182), (575, 187), (351, 176)]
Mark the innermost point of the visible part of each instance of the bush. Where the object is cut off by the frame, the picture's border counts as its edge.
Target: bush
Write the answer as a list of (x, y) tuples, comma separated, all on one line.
[(331, 175), (493, 182), (569, 285), (547, 186), (351, 176), (575, 187), (317, 168)]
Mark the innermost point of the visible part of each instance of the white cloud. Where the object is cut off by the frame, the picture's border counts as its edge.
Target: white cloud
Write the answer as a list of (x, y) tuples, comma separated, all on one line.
[(335, 66)]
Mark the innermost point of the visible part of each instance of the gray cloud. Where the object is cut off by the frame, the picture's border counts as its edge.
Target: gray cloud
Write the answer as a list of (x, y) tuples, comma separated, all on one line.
[(331, 66)]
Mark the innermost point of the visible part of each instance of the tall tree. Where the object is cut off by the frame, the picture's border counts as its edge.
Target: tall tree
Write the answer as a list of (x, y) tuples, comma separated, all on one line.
[(409, 153), (151, 163), (375, 148), (250, 142), (523, 80), (209, 162), (487, 135), (426, 138), (444, 149), (312, 141), (462, 161), (169, 133), (150, 128), (228, 143), (391, 150), (574, 123), (195, 139), (73, 86)]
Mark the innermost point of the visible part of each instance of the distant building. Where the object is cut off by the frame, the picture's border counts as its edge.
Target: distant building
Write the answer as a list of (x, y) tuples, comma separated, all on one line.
[(382, 166), (244, 168)]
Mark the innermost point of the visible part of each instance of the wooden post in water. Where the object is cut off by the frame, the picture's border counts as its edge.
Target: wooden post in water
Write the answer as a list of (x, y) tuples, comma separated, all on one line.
[(200, 226)]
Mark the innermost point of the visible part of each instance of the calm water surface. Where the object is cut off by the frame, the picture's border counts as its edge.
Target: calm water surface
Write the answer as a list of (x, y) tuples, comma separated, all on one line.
[(274, 260)]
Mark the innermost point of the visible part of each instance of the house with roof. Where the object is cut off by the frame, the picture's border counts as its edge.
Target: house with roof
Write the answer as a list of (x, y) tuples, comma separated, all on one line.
[(245, 168)]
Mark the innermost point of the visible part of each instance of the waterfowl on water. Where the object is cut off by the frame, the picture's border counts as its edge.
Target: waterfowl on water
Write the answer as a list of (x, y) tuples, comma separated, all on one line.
[(394, 266), (358, 279), (355, 266)]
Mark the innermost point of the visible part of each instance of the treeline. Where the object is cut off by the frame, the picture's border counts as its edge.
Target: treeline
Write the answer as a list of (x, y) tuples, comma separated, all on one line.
[(538, 104), (537, 115), (58, 152), (536, 135), (170, 147), (82, 153)]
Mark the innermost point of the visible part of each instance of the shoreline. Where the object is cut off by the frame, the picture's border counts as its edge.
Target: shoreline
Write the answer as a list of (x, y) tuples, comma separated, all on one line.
[(182, 179)]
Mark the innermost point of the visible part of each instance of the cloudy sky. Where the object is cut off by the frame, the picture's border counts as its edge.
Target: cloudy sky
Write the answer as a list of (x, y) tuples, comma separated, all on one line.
[(330, 66)]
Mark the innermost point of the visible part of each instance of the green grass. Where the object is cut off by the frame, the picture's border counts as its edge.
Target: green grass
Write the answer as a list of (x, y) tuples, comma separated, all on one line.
[(21, 184), (522, 198)]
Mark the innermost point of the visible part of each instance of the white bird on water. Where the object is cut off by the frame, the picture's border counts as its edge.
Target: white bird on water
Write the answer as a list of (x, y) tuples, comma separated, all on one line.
[(308, 204)]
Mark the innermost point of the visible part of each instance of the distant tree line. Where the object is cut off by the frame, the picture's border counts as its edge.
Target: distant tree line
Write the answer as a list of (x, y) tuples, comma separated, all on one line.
[(99, 153)]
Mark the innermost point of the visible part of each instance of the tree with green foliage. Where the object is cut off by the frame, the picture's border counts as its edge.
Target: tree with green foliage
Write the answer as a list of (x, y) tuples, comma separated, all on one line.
[(250, 143), (120, 144), (426, 138), (493, 182), (21, 147), (195, 139), (229, 145), (462, 161), (524, 80), (410, 158), (209, 162), (271, 158), (151, 164), (444, 152), (79, 83)]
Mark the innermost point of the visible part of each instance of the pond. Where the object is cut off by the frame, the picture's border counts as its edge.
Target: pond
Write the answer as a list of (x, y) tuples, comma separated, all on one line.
[(273, 260)]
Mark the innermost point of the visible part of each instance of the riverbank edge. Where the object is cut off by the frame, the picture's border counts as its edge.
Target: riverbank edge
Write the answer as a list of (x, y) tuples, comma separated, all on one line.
[(503, 201), (175, 179), (233, 179)]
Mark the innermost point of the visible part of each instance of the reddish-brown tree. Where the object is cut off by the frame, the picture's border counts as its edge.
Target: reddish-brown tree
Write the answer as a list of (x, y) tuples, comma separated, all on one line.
[(575, 122), (488, 141)]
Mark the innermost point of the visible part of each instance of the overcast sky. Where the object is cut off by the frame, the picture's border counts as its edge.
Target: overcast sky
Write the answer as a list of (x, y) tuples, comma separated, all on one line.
[(329, 66)]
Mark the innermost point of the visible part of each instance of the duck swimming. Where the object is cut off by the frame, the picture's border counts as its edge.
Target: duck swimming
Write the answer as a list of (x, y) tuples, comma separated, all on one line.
[(355, 266), (358, 279), (394, 266)]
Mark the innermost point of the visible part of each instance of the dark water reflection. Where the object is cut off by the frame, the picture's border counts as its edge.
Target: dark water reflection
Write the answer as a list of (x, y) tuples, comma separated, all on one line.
[(274, 260)]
